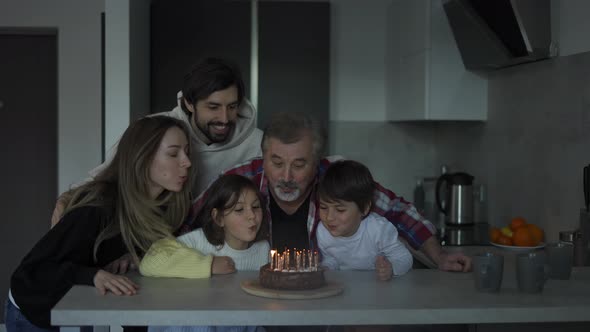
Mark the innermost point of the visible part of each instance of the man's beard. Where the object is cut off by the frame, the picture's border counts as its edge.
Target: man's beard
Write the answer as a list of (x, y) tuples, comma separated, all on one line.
[(287, 197), (208, 131)]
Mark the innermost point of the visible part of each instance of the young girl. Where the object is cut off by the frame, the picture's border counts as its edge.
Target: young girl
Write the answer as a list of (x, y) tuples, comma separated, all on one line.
[(349, 236), (140, 198), (233, 224)]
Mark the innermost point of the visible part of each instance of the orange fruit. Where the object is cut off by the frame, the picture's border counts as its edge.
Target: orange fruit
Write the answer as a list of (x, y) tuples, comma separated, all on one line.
[(537, 232), (504, 240), (494, 234), (517, 222), (523, 237)]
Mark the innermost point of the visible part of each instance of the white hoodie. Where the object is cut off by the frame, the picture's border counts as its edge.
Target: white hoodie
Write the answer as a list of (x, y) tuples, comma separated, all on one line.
[(209, 161)]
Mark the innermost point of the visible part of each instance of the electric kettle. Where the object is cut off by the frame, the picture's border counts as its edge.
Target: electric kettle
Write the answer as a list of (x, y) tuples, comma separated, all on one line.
[(458, 200)]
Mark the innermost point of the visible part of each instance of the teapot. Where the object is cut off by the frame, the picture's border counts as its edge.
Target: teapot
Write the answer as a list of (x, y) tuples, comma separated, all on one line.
[(458, 207)]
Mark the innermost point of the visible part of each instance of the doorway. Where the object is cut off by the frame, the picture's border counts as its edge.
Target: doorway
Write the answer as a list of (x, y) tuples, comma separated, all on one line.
[(28, 140)]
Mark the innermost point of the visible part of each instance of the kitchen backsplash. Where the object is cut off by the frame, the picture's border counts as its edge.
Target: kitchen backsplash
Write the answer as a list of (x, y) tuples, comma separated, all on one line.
[(396, 154), (533, 147)]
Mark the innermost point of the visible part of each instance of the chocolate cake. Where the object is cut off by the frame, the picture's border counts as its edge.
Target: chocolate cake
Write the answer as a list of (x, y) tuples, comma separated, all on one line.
[(291, 280)]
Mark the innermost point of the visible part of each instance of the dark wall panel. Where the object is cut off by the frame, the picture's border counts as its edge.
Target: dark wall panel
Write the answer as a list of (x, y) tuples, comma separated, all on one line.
[(28, 139), (182, 31), (294, 58)]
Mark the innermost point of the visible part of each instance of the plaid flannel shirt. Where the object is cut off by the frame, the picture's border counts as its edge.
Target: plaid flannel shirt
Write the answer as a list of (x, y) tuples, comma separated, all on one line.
[(402, 214)]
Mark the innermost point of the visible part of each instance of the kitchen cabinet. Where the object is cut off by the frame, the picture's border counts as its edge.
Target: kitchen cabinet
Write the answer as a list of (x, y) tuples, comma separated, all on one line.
[(178, 40), (426, 79), (293, 54), (293, 59)]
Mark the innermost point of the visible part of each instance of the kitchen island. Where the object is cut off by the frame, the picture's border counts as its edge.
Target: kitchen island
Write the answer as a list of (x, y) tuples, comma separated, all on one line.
[(422, 296)]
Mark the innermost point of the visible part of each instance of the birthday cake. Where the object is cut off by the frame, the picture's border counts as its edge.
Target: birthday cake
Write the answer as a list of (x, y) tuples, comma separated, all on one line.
[(291, 280), (299, 271)]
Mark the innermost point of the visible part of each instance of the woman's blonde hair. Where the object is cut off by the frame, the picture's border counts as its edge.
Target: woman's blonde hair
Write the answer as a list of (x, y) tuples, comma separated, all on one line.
[(123, 188)]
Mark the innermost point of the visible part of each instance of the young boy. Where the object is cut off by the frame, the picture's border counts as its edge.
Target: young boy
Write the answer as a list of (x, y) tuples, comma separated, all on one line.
[(349, 236)]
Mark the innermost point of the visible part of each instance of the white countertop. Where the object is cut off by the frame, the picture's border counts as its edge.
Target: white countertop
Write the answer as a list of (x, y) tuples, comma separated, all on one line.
[(419, 297)]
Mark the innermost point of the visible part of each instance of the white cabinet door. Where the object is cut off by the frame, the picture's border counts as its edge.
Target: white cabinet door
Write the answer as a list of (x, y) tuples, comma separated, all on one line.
[(415, 26), (427, 78), (455, 93), (414, 87)]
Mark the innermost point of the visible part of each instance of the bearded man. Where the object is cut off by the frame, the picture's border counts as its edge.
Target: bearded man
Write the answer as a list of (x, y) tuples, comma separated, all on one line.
[(223, 122)]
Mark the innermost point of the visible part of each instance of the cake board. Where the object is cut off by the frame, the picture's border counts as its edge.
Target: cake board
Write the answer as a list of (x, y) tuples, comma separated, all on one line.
[(253, 287)]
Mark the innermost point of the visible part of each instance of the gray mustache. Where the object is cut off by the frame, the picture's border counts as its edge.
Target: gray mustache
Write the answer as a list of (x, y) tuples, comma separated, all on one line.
[(287, 184)]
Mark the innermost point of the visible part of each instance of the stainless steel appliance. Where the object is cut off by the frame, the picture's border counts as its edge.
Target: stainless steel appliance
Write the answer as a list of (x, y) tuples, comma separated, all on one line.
[(458, 207), (474, 233)]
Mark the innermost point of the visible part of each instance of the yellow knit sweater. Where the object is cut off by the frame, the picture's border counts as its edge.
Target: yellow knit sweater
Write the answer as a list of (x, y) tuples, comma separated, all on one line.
[(170, 258)]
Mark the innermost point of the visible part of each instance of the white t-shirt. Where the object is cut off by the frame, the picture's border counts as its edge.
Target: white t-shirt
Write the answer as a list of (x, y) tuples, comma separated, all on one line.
[(250, 259), (375, 236)]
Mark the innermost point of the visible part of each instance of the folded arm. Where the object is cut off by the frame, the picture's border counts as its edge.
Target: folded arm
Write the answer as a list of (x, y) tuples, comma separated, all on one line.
[(170, 258)]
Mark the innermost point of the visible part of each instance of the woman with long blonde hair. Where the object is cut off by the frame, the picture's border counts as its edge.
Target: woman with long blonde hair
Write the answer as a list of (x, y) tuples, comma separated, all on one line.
[(141, 197)]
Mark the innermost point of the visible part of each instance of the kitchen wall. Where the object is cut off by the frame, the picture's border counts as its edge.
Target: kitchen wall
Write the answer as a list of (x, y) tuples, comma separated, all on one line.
[(79, 72), (396, 154), (532, 149)]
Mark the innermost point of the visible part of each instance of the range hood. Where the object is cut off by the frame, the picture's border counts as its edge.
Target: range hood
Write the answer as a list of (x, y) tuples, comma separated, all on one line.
[(493, 34)]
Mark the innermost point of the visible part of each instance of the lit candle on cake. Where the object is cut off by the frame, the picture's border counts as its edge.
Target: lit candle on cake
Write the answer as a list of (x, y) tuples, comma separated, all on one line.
[(287, 260), (316, 259), (302, 253), (304, 260), (272, 259)]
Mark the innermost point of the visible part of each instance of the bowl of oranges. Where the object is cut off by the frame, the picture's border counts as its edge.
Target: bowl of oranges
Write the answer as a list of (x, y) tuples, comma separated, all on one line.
[(518, 235)]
